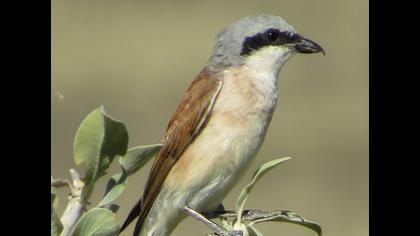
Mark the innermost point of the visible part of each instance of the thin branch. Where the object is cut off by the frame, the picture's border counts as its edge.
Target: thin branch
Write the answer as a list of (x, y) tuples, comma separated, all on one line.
[(217, 229), (255, 214), (75, 206), (58, 183)]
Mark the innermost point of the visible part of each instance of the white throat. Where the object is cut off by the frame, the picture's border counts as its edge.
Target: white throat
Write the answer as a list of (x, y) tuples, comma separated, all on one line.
[(265, 65)]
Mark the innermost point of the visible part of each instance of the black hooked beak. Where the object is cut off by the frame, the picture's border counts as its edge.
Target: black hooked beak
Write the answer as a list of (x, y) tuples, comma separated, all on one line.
[(304, 45)]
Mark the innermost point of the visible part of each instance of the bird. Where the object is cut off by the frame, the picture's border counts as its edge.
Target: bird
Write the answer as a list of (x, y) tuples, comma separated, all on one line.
[(219, 124)]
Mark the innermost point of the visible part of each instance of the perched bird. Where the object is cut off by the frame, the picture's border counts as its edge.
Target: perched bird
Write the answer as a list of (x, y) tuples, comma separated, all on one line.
[(219, 124)]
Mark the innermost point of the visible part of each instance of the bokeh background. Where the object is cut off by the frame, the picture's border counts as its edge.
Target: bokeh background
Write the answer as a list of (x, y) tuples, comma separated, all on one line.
[(138, 57)]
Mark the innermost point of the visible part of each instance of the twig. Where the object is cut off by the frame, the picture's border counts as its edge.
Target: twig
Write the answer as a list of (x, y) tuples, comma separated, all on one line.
[(255, 214), (219, 230), (58, 183), (76, 205)]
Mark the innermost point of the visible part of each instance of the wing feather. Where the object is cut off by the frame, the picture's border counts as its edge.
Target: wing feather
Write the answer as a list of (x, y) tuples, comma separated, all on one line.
[(186, 123)]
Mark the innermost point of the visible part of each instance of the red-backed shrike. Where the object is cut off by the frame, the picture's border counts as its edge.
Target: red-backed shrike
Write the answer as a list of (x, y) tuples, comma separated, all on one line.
[(220, 123)]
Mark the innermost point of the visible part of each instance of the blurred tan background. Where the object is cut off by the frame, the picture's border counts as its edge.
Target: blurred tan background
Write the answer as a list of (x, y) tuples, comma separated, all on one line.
[(138, 57)]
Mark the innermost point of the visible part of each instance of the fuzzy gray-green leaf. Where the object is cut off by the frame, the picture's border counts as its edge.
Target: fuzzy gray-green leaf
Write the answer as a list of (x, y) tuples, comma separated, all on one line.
[(98, 140), (115, 143), (137, 157), (132, 161), (88, 142), (115, 187), (96, 222), (291, 218), (240, 203), (54, 198)]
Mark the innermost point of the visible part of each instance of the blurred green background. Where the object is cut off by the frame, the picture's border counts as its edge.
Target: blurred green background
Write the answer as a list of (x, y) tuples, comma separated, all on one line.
[(138, 57)]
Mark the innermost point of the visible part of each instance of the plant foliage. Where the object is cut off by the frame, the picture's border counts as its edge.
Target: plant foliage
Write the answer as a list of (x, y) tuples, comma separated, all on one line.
[(98, 141)]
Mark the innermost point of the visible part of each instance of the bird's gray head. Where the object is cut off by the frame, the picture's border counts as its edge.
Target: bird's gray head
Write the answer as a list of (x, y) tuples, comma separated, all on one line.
[(269, 38)]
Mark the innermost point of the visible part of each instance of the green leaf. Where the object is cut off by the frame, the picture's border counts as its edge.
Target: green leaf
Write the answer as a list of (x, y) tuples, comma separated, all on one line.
[(131, 162), (137, 157), (54, 198), (295, 219), (240, 203), (56, 226), (98, 140), (96, 222), (115, 187)]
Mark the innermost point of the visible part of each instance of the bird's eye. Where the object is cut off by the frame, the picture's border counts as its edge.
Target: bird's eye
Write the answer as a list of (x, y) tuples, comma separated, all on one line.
[(272, 35)]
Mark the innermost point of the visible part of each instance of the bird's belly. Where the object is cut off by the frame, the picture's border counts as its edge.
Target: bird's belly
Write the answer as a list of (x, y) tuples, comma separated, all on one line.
[(214, 162), (219, 155)]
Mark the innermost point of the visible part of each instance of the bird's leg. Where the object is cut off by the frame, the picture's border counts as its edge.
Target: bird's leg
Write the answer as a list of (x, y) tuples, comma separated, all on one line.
[(213, 226)]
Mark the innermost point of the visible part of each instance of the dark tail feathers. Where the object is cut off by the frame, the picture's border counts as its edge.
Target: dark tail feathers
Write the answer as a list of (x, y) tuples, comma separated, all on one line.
[(133, 215)]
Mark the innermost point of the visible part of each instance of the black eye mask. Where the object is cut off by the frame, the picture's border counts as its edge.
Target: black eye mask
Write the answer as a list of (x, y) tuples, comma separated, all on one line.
[(270, 37)]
